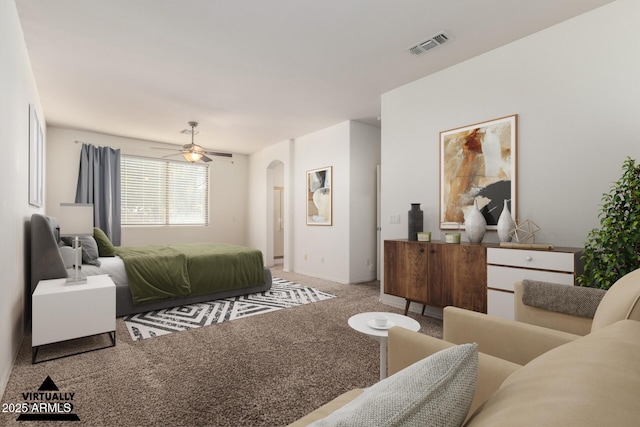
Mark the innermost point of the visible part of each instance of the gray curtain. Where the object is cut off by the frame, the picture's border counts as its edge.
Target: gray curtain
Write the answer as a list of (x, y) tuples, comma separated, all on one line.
[(99, 183)]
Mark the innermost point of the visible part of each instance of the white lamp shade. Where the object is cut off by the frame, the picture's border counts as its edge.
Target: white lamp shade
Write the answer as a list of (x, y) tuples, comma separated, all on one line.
[(75, 219), (191, 156)]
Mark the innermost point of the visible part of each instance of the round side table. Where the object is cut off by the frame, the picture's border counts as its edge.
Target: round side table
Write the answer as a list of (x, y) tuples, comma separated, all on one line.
[(363, 322)]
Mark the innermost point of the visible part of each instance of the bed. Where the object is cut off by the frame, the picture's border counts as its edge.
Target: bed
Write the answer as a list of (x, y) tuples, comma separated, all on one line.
[(143, 275)]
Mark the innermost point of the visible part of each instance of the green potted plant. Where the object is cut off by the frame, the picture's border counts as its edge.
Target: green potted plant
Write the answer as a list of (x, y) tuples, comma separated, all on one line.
[(613, 250)]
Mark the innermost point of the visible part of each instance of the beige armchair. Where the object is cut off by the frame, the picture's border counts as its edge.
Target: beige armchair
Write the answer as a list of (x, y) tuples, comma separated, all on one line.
[(537, 329), (560, 307)]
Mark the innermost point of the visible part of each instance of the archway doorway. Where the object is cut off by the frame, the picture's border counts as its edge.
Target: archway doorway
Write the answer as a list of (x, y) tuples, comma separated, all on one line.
[(275, 213)]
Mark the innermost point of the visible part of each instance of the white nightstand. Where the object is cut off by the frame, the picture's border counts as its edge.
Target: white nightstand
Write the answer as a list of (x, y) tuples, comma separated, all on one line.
[(64, 311)]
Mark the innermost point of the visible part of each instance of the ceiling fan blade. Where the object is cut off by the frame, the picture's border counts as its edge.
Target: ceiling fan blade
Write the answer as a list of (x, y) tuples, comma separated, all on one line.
[(205, 158), (171, 155), (162, 148), (218, 153)]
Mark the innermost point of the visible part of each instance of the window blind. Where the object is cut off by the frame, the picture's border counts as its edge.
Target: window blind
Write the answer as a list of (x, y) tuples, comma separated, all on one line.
[(164, 192)]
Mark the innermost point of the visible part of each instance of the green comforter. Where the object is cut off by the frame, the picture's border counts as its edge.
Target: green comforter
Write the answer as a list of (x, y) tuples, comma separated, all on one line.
[(160, 272)]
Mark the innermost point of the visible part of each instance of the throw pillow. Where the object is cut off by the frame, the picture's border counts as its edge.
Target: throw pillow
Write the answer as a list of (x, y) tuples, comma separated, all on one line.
[(435, 391), (105, 247), (89, 249)]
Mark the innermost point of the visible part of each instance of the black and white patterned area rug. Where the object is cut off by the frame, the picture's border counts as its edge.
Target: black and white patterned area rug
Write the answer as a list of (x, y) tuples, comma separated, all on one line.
[(283, 294)]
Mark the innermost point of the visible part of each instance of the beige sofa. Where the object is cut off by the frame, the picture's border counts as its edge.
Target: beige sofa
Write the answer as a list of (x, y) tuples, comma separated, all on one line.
[(529, 375)]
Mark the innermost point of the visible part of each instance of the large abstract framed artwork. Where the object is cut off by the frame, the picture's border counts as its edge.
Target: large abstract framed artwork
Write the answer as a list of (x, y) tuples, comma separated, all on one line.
[(319, 196), (478, 163), (36, 147)]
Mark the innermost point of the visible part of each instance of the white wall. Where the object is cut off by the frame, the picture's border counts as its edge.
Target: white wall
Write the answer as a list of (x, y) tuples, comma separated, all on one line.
[(228, 189), (18, 90), (323, 251), (575, 89)]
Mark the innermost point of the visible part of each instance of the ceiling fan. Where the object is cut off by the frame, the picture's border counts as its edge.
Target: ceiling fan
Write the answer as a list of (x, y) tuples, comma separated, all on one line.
[(193, 152)]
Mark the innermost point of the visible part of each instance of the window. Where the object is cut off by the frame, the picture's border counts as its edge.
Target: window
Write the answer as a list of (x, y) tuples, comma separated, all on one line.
[(164, 192)]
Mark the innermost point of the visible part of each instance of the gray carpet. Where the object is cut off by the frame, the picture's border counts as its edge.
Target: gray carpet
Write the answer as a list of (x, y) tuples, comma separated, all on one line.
[(265, 370)]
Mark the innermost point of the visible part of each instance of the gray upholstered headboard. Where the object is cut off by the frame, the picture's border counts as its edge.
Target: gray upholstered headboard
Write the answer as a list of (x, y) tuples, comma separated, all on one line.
[(46, 260)]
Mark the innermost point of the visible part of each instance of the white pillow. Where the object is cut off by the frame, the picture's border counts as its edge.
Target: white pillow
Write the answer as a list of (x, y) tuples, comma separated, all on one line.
[(435, 391)]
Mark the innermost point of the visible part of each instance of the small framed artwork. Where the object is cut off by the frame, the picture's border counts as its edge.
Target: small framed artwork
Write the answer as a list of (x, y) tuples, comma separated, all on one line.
[(319, 196), (478, 163), (36, 165)]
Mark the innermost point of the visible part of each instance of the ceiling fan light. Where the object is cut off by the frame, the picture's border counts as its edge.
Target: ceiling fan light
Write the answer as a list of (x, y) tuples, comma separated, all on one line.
[(191, 156)]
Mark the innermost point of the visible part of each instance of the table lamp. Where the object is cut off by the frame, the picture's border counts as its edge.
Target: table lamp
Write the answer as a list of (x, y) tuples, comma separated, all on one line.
[(75, 220)]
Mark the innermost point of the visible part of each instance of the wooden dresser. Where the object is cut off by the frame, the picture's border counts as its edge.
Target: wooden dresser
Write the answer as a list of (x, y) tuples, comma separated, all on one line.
[(437, 273)]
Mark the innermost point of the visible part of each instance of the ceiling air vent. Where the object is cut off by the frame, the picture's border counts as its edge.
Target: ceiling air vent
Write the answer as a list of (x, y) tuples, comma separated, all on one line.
[(433, 41)]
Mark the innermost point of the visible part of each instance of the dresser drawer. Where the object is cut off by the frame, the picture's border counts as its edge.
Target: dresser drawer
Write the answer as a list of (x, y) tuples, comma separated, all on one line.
[(500, 304), (541, 260), (499, 277)]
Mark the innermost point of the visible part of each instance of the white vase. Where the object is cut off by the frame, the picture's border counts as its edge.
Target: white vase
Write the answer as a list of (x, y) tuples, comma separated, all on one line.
[(505, 224), (322, 200), (475, 225)]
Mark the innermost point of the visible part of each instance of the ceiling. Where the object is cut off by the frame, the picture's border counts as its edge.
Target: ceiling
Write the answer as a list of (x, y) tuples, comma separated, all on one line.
[(252, 72)]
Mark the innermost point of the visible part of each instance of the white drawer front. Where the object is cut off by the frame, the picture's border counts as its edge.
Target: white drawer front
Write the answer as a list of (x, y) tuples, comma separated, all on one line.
[(504, 277), (542, 260), (500, 304)]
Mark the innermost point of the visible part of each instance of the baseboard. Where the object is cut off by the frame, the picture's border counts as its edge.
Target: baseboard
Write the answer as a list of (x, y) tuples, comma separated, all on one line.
[(319, 276), (4, 379), (362, 280), (6, 374)]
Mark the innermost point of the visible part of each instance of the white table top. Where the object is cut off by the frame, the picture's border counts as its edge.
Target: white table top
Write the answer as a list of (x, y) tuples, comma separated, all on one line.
[(55, 286), (359, 322)]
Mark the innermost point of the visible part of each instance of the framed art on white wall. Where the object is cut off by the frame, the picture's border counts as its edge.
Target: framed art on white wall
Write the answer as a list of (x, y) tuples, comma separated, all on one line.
[(319, 196), (478, 163), (36, 161)]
